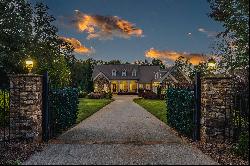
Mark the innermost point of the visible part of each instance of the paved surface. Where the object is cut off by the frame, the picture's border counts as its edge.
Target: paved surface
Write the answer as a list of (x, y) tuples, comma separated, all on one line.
[(120, 133)]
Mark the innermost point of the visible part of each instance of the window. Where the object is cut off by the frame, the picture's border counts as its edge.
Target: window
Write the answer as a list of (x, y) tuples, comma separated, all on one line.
[(124, 73), (156, 75), (134, 73), (113, 72)]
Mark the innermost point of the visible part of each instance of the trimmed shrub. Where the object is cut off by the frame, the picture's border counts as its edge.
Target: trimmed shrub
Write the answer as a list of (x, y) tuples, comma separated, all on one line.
[(180, 103), (108, 95), (140, 91), (82, 94), (63, 105), (126, 93), (149, 95), (102, 95)]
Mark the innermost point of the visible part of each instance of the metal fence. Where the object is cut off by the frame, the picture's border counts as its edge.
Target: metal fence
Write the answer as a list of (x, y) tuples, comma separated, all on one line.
[(239, 114), (9, 131)]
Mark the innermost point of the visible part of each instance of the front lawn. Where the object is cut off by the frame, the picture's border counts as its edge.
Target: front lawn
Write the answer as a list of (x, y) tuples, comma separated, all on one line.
[(156, 107), (87, 107)]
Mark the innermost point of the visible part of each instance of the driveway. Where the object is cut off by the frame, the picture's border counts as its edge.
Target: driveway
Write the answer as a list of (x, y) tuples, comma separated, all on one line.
[(120, 133)]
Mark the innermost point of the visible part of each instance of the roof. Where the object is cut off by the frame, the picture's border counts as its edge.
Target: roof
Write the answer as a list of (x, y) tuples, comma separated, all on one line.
[(144, 74), (161, 73)]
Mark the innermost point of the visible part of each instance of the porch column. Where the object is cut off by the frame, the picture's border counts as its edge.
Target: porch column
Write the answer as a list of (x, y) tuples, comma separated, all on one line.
[(118, 86), (137, 87), (110, 87), (128, 86)]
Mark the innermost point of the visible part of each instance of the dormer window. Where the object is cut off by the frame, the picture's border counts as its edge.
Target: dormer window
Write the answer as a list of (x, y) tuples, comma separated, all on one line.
[(156, 75), (124, 73), (113, 72), (134, 73)]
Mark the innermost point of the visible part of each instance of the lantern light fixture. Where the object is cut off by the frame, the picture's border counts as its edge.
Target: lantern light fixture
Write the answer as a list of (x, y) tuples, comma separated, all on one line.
[(29, 64)]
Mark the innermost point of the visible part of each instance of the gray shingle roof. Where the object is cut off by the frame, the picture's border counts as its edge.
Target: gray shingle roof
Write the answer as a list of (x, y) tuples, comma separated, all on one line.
[(144, 74)]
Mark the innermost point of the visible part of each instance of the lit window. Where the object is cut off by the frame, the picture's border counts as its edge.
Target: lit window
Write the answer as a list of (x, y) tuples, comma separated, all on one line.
[(134, 73), (124, 73), (113, 72)]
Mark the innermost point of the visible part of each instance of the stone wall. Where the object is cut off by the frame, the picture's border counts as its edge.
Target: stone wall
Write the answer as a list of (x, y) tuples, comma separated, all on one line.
[(99, 83), (26, 106), (216, 100)]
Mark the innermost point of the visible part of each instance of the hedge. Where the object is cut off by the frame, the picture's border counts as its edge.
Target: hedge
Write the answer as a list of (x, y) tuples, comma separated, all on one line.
[(63, 104), (180, 103)]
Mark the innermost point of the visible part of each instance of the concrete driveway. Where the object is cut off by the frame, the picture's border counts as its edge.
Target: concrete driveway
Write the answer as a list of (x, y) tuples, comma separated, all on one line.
[(120, 133)]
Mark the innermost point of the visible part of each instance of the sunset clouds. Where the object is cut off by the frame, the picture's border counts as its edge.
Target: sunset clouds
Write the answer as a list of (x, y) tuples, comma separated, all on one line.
[(195, 59), (78, 47), (105, 27)]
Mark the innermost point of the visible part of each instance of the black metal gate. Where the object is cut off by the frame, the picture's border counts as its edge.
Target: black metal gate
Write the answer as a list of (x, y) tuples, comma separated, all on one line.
[(46, 115), (197, 106), (9, 110)]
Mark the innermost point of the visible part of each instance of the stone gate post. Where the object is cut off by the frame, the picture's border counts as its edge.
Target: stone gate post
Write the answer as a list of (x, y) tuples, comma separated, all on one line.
[(26, 106), (216, 102)]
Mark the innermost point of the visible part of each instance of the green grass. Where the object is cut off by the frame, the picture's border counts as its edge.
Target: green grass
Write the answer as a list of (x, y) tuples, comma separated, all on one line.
[(156, 107), (88, 107)]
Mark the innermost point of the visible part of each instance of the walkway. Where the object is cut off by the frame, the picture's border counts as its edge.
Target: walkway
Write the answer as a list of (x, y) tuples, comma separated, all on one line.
[(120, 133)]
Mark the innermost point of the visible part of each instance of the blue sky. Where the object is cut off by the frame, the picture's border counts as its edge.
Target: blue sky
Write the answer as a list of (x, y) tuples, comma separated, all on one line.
[(165, 25)]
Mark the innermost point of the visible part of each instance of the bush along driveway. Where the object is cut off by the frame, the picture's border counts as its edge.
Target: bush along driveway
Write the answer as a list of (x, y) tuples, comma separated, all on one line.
[(120, 133)]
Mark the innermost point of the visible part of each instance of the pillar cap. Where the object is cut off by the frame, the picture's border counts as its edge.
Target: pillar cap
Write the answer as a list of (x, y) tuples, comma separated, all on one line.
[(24, 75)]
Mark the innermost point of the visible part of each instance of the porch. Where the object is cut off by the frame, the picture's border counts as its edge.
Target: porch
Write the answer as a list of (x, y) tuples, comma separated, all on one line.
[(125, 86)]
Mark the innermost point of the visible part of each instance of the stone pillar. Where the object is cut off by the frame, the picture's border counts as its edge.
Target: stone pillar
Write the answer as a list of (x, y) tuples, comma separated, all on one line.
[(26, 106), (216, 101), (128, 86), (118, 86)]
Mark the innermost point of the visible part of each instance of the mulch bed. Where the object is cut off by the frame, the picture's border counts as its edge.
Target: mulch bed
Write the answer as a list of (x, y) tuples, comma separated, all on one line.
[(14, 153), (220, 152)]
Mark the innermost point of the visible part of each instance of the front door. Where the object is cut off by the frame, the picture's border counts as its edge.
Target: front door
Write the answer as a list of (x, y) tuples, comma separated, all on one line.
[(114, 87)]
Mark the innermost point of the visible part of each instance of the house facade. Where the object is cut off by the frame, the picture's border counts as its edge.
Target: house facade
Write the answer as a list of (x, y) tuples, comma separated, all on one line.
[(123, 77), (129, 78)]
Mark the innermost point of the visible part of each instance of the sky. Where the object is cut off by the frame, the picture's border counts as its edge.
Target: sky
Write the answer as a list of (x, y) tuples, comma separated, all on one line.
[(130, 30)]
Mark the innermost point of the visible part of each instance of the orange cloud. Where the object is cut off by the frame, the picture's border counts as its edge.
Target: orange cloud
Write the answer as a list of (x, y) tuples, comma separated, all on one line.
[(195, 59), (105, 27), (78, 47)]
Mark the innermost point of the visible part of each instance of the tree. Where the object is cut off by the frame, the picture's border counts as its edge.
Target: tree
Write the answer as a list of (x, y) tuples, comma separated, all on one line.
[(50, 51), (189, 69), (233, 44), (15, 34), (158, 62), (114, 62), (81, 74), (24, 32)]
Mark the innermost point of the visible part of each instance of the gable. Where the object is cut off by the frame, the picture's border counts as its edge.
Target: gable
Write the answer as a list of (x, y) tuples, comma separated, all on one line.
[(176, 75), (100, 76)]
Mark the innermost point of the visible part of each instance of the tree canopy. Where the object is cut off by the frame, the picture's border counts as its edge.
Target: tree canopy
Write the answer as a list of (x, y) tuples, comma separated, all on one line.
[(233, 43)]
